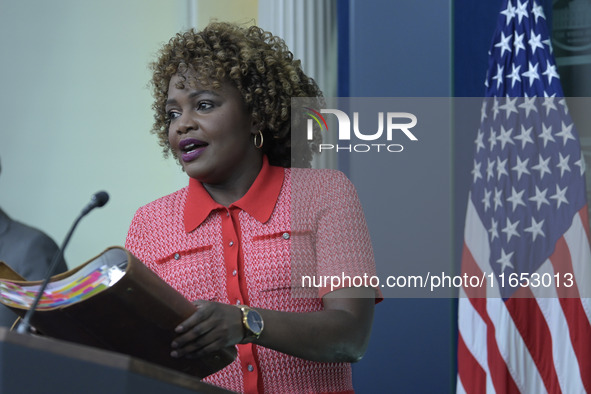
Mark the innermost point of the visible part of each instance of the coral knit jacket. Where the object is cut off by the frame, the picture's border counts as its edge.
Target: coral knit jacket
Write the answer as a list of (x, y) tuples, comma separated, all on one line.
[(291, 224)]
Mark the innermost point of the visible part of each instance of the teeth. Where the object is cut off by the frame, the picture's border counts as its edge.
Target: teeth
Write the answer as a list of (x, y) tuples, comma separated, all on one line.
[(190, 147)]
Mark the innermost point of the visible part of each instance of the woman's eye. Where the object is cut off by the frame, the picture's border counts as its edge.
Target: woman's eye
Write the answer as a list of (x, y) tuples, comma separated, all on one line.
[(204, 105), (172, 115)]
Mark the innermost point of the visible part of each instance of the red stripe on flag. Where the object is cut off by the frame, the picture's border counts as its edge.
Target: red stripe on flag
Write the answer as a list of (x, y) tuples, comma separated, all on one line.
[(470, 268), (584, 213), (472, 375), (536, 335), (578, 325), (580, 332), (562, 264), (500, 376)]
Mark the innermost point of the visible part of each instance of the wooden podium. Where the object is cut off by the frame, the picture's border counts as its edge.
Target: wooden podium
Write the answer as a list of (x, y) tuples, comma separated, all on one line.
[(33, 364)]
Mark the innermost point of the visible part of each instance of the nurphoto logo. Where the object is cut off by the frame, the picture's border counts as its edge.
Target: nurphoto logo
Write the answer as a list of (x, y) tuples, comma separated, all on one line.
[(395, 122)]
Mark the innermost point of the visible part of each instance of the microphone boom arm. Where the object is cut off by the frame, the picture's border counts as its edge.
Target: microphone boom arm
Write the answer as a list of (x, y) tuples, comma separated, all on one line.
[(98, 200)]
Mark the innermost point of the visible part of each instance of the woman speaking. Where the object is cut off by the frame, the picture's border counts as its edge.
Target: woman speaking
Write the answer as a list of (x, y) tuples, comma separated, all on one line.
[(227, 241)]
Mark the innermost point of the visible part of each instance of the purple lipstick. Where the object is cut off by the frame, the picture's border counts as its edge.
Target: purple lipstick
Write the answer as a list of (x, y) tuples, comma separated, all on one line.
[(191, 149)]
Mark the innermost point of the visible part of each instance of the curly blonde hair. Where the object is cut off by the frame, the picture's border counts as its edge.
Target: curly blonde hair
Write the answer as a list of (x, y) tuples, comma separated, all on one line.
[(258, 64)]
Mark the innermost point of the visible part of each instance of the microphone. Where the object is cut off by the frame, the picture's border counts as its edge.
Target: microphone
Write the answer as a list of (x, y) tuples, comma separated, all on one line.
[(98, 199)]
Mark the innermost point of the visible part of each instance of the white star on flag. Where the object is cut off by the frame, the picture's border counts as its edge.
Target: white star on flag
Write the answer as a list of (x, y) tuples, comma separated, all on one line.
[(536, 228), (505, 260)]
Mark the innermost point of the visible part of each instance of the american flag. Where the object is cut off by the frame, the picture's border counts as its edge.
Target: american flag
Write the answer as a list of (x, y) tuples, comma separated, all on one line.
[(528, 329)]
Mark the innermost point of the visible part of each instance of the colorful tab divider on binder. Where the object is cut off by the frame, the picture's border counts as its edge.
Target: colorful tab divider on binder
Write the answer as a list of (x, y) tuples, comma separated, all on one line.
[(84, 284)]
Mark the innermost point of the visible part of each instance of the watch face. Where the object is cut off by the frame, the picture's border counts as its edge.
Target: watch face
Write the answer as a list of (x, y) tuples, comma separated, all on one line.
[(255, 322)]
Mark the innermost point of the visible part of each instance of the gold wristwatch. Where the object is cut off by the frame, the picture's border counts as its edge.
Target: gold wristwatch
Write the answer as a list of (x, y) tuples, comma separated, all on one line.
[(252, 322)]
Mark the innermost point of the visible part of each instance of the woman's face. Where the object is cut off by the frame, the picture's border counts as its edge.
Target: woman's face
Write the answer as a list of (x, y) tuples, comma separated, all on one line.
[(210, 131)]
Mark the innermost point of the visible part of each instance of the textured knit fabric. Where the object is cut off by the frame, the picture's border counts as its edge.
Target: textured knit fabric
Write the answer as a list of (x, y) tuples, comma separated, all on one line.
[(316, 227)]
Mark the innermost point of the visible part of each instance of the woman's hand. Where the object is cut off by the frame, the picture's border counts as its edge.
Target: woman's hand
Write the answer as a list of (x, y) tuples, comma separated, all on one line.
[(214, 326), (338, 333)]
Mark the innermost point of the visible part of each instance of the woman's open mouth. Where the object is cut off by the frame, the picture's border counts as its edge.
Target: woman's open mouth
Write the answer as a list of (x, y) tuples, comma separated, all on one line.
[(191, 149)]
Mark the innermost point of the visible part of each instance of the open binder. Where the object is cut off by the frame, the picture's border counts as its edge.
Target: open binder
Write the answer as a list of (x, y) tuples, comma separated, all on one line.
[(112, 302)]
